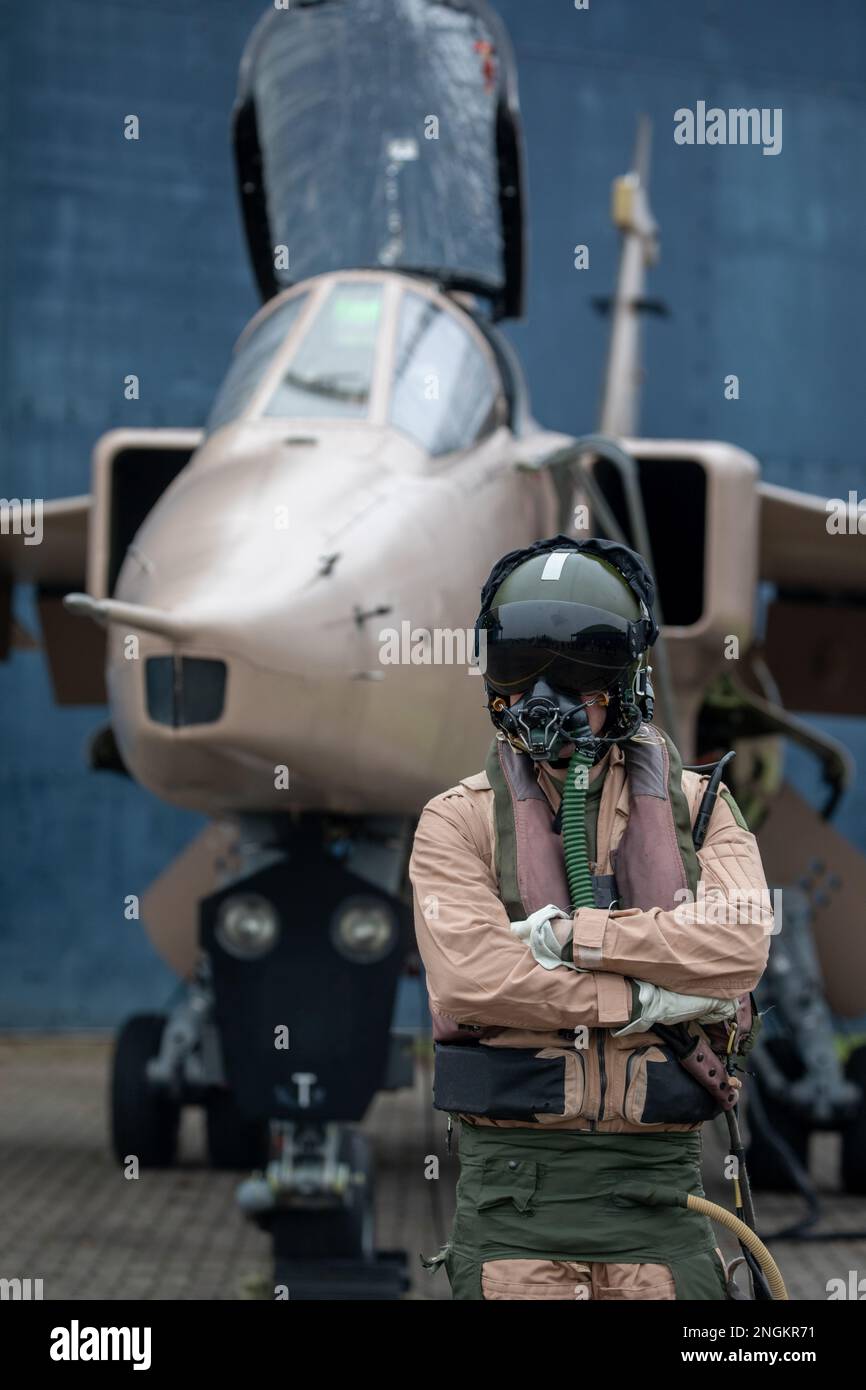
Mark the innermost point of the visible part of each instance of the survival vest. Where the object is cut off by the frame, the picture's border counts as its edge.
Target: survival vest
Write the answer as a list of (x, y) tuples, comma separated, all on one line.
[(653, 861)]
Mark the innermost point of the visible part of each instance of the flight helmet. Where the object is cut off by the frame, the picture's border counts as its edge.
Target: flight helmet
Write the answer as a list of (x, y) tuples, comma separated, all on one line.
[(559, 620)]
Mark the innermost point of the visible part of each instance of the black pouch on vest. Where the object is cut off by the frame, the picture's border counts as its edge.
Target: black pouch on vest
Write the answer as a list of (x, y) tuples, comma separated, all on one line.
[(502, 1083), (673, 1096)]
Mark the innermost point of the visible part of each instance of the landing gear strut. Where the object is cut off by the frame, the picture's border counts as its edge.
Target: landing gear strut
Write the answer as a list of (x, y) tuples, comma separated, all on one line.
[(316, 1200)]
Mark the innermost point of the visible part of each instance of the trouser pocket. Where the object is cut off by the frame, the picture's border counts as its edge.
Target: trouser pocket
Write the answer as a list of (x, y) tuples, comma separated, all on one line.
[(557, 1280), (696, 1277), (508, 1184), (633, 1281)]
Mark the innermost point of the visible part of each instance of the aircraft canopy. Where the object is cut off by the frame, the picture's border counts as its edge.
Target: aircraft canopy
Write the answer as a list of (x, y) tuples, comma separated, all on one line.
[(382, 133)]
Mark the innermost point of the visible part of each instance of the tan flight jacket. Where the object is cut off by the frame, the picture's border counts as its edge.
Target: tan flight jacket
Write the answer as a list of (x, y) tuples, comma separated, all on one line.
[(480, 973)]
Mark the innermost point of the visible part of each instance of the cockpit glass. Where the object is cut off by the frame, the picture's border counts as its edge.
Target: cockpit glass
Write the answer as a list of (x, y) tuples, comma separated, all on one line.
[(444, 389), (251, 361), (331, 370)]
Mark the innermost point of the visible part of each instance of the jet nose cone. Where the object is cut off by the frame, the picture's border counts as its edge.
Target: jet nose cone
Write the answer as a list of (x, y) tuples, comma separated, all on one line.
[(281, 510), (265, 558)]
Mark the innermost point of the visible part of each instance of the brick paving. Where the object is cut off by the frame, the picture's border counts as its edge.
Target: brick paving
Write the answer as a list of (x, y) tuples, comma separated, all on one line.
[(69, 1217)]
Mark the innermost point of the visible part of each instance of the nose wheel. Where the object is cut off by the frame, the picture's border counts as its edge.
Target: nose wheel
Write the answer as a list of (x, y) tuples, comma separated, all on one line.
[(145, 1119), (316, 1199)]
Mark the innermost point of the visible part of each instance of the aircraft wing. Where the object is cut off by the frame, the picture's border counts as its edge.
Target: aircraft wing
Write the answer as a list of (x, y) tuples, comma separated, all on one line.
[(48, 547), (56, 560), (811, 549), (808, 543)]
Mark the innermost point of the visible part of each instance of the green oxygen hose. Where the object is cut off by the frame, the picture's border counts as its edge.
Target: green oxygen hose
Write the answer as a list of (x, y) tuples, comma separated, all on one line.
[(574, 832)]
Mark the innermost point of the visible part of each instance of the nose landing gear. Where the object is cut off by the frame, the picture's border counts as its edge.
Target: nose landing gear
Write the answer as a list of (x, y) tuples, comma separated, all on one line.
[(315, 1198)]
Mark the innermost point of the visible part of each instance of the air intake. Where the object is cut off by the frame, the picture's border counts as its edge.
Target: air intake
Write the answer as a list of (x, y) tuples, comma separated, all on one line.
[(184, 690)]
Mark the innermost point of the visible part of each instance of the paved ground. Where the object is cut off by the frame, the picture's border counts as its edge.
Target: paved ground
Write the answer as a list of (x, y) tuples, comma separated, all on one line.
[(69, 1217)]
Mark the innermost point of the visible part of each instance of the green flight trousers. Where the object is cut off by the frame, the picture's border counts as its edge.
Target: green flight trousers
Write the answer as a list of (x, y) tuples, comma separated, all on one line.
[(535, 1195)]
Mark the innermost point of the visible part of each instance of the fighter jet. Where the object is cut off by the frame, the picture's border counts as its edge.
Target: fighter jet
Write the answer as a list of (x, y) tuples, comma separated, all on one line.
[(281, 605)]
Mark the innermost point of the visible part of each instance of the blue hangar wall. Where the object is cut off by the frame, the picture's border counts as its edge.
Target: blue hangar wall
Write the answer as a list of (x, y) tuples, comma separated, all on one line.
[(120, 257)]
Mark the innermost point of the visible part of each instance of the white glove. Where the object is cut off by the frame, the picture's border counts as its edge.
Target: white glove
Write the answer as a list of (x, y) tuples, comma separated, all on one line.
[(659, 1005), (541, 938)]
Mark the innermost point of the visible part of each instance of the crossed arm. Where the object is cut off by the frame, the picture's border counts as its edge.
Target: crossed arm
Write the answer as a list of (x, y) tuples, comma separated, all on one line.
[(479, 972)]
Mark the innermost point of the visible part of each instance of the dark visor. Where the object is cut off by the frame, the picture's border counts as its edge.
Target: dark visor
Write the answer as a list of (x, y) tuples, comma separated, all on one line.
[(573, 646)]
